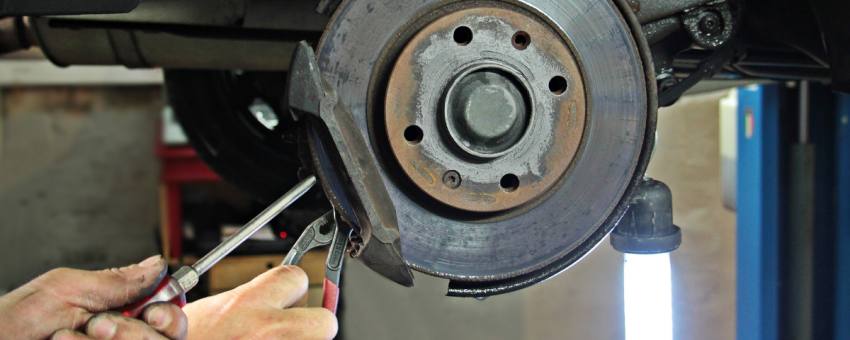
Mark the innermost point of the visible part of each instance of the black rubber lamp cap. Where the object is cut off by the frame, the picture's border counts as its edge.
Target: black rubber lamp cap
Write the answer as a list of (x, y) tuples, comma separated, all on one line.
[(647, 227)]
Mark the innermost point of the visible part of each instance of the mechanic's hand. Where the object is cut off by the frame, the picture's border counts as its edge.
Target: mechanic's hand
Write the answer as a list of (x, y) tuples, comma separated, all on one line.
[(71, 304), (265, 308)]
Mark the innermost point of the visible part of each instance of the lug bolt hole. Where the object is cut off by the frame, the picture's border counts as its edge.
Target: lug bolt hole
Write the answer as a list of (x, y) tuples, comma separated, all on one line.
[(451, 179), (413, 134), (558, 85), (509, 183), (463, 35), (521, 40)]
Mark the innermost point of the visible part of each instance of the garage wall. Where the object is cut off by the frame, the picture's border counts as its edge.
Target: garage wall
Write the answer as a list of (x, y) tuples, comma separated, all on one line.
[(78, 179)]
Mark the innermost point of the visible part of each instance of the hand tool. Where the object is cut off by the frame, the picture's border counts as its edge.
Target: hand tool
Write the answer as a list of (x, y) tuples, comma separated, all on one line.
[(324, 231), (173, 288)]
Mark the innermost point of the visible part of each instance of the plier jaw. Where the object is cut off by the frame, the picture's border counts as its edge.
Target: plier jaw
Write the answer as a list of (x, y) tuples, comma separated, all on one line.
[(324, 231)]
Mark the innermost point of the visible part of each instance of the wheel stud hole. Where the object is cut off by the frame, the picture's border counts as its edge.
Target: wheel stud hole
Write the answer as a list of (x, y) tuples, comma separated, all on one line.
[(413, 134), (521, 40), (463, 35), (509, 183), (558, 85)]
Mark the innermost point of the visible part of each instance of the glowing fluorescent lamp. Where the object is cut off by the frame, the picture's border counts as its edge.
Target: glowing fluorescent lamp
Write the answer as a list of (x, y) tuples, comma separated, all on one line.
[(648, 297), (646, 235)]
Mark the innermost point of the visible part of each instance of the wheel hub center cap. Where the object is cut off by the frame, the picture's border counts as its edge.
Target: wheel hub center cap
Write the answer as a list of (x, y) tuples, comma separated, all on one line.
[(486, 112)]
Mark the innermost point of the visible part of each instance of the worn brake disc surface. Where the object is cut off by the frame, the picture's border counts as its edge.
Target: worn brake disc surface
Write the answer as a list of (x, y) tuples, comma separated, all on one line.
[(510, 135)]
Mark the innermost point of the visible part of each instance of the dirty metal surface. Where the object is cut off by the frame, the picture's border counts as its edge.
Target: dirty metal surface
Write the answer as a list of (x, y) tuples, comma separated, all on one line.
[(710, 26), (356, 56), (420, 95), (348, 171)]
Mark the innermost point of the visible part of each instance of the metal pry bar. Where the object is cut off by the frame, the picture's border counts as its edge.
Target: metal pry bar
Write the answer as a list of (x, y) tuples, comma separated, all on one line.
[(190, 274)]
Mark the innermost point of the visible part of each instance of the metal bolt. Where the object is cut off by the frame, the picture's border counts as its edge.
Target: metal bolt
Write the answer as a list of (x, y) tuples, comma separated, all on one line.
[(711, 23), (666, 80), (451, 179), (666, 84)]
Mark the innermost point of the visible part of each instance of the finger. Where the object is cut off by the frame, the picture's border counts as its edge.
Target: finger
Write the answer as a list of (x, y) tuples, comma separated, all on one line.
[(307, 323), (280, 287), (70, 335), (107, 289), (38, 309), (167, 319), (302, 301), (114, 326)]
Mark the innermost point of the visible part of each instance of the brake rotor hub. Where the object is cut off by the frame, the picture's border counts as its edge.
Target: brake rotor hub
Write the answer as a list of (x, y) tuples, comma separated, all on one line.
[(485, 108)]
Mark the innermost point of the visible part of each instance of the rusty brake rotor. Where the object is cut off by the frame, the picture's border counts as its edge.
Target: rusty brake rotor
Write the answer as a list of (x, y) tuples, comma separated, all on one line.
[(510, 135)]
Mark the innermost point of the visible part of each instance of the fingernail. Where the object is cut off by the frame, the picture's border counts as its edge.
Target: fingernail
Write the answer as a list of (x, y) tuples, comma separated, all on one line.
[(103, 328), (150, 261), (63, 335), (158, 318)]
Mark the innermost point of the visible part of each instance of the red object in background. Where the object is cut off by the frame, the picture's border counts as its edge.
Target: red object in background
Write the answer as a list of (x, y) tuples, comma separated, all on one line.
[(180, 164), (282, 234)]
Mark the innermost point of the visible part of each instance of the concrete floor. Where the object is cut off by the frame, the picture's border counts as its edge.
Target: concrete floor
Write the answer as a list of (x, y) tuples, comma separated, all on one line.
[(78, 188)]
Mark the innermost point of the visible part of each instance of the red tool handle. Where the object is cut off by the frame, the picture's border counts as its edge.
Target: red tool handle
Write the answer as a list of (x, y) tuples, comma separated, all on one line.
[(330, 298), (168, 290)]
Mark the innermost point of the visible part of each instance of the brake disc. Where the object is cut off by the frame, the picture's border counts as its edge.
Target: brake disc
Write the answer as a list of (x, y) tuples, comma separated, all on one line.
[(511, 135)]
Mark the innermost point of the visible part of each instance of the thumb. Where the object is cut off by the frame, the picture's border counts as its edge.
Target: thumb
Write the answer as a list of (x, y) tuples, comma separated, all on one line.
[(280, 287), (111, 288)]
